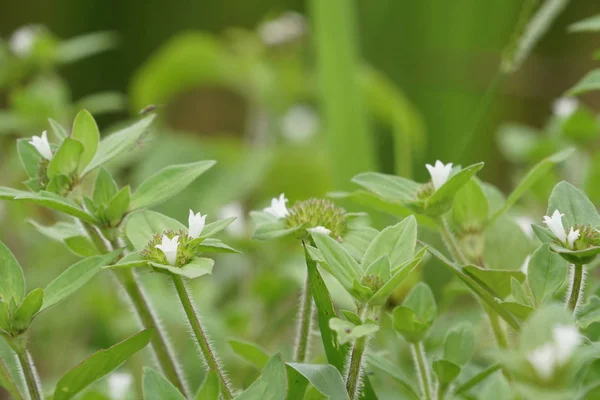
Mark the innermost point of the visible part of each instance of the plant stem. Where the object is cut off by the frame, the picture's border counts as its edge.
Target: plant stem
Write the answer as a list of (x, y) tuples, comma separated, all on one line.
[(355, 368), (418, 353), (305, 318), (212, 362), (497, 329), (134, 289), (451, 243), (31, 378), (576, 287)]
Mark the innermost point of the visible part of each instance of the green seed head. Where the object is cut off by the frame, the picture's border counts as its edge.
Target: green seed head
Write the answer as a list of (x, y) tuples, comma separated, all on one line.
[(373, 282), (317, 212), (185, 251), (588, 237), (43, 172)]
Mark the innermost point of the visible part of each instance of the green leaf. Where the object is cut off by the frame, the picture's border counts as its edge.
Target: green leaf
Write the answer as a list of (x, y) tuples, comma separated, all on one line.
[(7, 193), (212, 245), (588, 83), (396, 242), (66, 158), (157, 387), (118, 206), (7, 382), (347, 332), (167, 183), (519, 293), (30, 157), (272, 230), (100, 364), (118, 143), (105, 187), (378, 362), (58, 203), (397, 277), (537, 330), (28, 309), (341, 265), (446, 371), (539, 171), (416, 315), (572, 202), (459, 346), (12, 284), (470, 207), (546, 273), (394, 189), (58, 130), (497, 388), (271, 385), (142, 225), (210, 389), (499, 281), (445, 194), (477, 379), (85, 130), (59, 185), (325, 378), (81, 246), (505, 233), (82, 46), (590, 24), (215, 227), (196, 268), (250, 352), (75, 277), (589, 313)]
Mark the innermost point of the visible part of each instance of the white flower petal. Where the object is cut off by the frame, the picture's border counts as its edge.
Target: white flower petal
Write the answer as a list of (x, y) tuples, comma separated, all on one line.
[(566, 339), (169, 248), (555, 224), (564, 107), (319, 229), (278, 209), (439, 173), (196, 223), (42, 145), (572, 237), (543, 360)]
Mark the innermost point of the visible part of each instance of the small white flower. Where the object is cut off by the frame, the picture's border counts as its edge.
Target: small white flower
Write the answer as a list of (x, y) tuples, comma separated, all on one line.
[(42, 145), (22, 40), (118, 385), (566, 339), (288, 27), (319, 229), (169, 248), (196, 223), (234, 209), (555, 224), (440, 173), (572, 237), (564, 107), (300, 123), (543, 360), (525, 225), (278, 209)]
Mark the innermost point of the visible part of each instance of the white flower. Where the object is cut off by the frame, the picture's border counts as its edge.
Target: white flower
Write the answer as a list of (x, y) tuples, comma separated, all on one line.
[(278, 208), (557, 353), (567, 339), (234, 209), (525, 225), (118, 385), (169, 248), (572, 237), (319, 229), (564, 107), (555, 224), (300, 123), (543, 360), (288, 27), (440, 173), (196, 223), (42, 145), (22, 40)]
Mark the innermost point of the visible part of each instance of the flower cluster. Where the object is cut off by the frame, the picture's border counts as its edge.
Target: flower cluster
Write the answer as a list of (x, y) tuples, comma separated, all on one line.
[(317, 216), (551, 356), (555, 224)]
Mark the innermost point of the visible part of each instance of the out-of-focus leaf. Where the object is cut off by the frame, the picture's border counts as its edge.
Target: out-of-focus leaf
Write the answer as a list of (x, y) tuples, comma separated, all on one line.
[(85, 130), (588, 83), (250, 352), (325, 378), (210, 389), (271, 385), (12, 284), (589, 24), (157, 387), (83, 46), (55, 202)]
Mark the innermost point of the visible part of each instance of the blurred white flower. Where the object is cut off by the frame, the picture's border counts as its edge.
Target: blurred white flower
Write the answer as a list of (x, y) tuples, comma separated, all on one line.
[(42, 145), (119, 384), (169, 248), (278, 209), (572, 237), (234, 209), (557, 353), (22, 40), (439, 173), (300, 123), (564, 107), (196, 223), (555, 225), (525, 225), (319, 229), (286, 28)]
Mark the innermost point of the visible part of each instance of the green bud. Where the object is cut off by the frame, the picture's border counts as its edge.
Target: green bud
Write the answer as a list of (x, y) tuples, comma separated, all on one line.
[(312, 213), (373, 282)]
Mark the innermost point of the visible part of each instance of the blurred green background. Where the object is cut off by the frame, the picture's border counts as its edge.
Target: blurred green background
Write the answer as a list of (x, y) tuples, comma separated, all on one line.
[(228, 88)]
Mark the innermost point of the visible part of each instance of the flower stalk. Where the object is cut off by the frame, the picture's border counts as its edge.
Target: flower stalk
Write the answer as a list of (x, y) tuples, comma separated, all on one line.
[(355, 368), (305, 317), (210, 358), (30, 373), (423, 374), (575, 293)]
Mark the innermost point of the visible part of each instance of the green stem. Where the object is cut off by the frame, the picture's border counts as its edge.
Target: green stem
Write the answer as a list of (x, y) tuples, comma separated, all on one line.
[(134, 289), (31, 378), (451, 243), (499, 332), (576, 287), (212, 362), (304, 323), (420, 360), (355, 368)]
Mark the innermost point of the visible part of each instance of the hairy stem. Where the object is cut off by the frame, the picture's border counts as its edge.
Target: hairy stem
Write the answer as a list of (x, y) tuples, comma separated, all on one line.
[(451, 242), (305, 316), (355, 368), (575, 293), (418, 353), (31, 377), (212, 362), (134, 289)]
